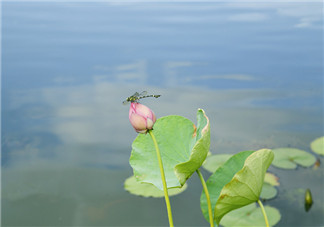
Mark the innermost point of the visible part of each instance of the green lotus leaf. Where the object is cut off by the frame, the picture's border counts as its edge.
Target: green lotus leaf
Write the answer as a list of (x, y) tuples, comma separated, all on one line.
[(183, 149), (246, 185), (220, 178), (250, 215), (148, 190), (199, 150), (288, 158), (318, 145), (268, 191), (212, 162)]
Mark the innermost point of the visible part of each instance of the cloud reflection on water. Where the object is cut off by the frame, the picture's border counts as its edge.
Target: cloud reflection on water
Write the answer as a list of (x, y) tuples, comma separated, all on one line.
[(66, 136), (88, 135), (92, 125)]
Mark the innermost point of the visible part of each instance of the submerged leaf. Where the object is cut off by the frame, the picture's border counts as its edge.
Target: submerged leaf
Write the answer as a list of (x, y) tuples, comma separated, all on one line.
[(251, 215), (183, 149), (148, 190), (212, 162), (318, 145), (220, 178), (288, 158), (246, 185)]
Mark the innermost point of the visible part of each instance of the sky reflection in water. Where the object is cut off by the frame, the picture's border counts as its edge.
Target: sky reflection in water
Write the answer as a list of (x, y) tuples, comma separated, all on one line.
[(256, 69)]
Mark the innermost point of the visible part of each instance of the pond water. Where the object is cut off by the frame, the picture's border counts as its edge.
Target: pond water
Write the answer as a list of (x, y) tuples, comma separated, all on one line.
[(255, 68)]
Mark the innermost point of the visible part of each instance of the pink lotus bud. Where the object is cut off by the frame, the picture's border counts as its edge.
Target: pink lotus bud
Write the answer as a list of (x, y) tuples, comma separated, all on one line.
[(141, 117)]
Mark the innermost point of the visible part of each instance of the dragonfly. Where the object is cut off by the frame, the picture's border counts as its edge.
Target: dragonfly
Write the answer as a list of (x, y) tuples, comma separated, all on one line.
[(137, 96)]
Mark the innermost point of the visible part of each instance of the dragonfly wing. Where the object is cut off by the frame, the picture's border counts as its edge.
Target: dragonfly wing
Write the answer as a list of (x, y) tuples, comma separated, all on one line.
[(143, 93)]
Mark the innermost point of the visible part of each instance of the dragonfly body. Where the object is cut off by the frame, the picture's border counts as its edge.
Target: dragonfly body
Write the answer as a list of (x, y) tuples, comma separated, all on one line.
[(137, 96)]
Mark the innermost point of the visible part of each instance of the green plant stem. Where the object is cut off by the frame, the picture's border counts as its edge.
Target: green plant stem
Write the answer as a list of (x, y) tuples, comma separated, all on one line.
[(165, 188), (210, 211), (264, 213)]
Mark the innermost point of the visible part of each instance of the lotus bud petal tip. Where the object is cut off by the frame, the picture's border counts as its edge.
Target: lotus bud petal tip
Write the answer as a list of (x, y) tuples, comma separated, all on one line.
[(141, 117)]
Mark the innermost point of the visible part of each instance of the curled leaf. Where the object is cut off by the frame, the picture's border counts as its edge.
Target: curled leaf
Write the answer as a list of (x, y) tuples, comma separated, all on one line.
[(183, 148), (220, 178), (199, 151), (246, 185)]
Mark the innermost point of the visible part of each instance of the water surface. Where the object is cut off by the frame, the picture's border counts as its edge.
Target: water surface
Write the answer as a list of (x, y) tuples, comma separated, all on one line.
[(255, 68)]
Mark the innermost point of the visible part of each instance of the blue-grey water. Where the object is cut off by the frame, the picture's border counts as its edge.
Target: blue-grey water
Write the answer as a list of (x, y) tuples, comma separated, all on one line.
[(255, 68)]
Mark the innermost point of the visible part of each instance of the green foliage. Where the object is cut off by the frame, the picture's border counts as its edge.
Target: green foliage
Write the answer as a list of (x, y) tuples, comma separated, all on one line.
[(183, 149), (238, 180), (288, 158), (199, 150), (245, 187), (220, 178), (271, 179), (268, 191), (148, 190), (250, 215), (212, 162), (318, 145)]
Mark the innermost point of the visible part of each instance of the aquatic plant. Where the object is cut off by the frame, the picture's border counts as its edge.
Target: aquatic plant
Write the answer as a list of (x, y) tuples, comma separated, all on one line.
[(168, 152)]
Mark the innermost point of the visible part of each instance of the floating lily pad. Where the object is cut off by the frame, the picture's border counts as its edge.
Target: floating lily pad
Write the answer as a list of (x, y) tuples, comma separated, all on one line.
[(268, 191), (250, 215), (318, 145), (288, 158), (183, 149), (148, 190), (246, 185), (212, 162), (271, 179)]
